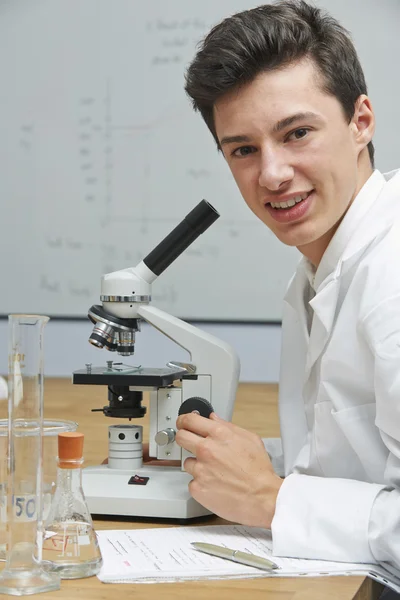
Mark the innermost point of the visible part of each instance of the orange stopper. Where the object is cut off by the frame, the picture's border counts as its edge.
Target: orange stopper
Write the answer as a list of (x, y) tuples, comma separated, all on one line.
[(70, 450)]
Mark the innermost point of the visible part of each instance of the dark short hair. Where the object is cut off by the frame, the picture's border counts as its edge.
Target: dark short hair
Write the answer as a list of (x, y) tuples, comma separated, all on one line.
[(269, 37)]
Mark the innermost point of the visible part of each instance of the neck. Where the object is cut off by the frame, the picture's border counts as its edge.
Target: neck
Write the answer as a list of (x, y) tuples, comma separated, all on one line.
[(315, 250)]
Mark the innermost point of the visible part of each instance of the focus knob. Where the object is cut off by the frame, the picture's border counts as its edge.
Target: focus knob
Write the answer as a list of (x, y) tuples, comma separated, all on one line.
[(196, 404), (164, 437)]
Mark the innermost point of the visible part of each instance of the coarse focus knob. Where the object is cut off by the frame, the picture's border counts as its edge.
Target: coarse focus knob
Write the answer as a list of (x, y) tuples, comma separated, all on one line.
[(164, 437), (196, 404)]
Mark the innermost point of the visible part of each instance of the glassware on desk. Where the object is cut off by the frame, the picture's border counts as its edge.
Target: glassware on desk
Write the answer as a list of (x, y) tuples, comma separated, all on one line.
[(3, 389), (23, 572), (70, 545), (3, 503), (51, 429)]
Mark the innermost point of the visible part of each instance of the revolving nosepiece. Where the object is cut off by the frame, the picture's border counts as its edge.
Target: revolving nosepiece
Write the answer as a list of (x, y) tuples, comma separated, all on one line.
[(113, 333)]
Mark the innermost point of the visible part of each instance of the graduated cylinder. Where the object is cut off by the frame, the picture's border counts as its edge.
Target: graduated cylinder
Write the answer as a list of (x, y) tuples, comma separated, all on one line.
[(21, 515)]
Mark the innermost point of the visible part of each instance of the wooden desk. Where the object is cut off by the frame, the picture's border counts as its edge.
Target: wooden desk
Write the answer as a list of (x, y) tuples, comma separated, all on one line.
[(255, 409)]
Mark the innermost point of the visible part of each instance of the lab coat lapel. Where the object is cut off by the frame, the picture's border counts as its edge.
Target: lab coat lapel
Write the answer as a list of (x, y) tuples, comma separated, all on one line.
[(300, 352), (293, 300), (295, 340), (324, 309)]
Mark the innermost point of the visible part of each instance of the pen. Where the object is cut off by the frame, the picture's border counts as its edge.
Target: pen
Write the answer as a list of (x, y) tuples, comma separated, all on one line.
[(244, 558)]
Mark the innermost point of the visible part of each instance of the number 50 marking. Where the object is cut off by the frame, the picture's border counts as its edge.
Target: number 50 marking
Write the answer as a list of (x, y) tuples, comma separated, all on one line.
[(25, 508)]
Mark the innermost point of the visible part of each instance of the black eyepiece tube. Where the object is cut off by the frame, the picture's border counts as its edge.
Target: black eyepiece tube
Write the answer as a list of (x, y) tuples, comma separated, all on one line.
[(196, 222)]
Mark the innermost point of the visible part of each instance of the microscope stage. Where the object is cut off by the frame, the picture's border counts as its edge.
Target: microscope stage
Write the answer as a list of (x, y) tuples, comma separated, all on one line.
[(164, 494), (129, 376)]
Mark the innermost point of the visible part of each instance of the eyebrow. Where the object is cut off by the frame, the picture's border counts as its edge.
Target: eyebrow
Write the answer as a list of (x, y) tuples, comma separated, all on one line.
[(234, 139), (293, 119), (282, 124)]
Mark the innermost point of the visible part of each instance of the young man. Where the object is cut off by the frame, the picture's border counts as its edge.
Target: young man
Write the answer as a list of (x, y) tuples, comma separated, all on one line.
[(282, 91)]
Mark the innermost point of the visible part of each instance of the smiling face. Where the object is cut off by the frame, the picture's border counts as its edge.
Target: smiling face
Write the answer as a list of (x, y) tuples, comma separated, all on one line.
[(297, 161)]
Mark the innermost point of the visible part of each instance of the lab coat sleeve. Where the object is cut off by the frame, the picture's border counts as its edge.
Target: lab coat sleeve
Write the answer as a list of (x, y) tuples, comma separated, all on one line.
[(343, 519), (324, 518)]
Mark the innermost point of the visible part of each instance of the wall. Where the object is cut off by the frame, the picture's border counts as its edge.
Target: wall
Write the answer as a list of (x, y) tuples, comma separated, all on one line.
[(67, 348)]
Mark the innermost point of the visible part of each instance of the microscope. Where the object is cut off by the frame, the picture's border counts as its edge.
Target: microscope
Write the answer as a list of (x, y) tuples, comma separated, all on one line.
[(126, 486)]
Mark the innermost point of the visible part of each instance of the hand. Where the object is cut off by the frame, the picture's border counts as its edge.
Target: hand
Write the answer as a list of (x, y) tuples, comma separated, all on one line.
[(232, 473)]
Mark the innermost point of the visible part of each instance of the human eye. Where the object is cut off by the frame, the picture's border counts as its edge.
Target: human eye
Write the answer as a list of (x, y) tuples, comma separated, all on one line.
[(298, 134), (243, 151)]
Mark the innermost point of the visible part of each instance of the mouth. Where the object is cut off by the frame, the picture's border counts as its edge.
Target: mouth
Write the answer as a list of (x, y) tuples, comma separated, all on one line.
[(288, 204), (294, 209)]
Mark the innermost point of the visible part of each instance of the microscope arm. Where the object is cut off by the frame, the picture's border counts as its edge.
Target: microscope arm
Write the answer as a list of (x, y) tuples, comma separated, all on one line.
[(210, 355)]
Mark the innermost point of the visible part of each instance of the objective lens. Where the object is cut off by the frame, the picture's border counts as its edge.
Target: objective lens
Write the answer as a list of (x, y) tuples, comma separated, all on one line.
[(113, 344), (126, 343), (102, 335)]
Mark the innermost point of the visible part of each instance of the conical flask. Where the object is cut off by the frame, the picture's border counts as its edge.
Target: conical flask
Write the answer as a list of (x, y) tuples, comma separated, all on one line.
[(70, 547), (23, 572)]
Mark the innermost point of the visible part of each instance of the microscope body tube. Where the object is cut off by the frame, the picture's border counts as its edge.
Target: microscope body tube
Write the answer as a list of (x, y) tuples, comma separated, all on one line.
[(127, 289)]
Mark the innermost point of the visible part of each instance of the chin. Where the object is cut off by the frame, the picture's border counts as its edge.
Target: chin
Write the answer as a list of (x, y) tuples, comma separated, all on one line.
[(295, 240), (298, 238)]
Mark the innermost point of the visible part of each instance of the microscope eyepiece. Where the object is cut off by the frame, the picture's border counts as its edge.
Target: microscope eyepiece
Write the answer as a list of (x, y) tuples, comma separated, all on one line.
[(196, 222)]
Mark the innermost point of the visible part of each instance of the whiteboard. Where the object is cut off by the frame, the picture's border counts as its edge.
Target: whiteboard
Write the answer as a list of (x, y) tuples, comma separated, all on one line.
[(102, 155)]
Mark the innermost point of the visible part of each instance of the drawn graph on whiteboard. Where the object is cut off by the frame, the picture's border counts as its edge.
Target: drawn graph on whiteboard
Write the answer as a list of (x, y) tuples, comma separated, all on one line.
[(103, 156)]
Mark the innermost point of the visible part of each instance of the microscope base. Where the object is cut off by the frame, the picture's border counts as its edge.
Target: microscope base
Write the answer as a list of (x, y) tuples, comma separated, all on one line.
[(165, 494)]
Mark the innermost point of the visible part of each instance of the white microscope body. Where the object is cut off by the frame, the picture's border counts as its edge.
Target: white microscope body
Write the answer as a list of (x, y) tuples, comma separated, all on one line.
[(127, 486)]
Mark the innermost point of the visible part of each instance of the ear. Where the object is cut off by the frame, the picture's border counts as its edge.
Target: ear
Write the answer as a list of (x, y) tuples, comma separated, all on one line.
[(363, 121)]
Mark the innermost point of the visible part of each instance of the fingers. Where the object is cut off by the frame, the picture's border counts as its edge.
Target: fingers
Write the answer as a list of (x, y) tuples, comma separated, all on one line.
[(188, 440), (203, 426), (195, 423), (189, 465), (214, 417)]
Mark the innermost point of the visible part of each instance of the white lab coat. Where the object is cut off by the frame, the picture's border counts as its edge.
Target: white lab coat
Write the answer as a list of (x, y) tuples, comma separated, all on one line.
[(339, 396)]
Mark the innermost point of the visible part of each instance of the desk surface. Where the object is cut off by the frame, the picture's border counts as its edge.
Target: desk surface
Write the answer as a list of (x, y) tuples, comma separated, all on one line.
[(255, 409)]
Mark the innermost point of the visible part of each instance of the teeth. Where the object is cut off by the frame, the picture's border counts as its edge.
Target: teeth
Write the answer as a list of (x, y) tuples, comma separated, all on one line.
[(289, 203)]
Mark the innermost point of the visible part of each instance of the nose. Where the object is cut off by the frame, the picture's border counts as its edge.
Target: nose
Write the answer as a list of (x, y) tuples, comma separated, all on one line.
[(275, 170)]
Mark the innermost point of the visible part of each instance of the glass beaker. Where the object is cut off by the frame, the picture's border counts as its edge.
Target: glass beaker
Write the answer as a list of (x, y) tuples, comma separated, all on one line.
[(23, 572)]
